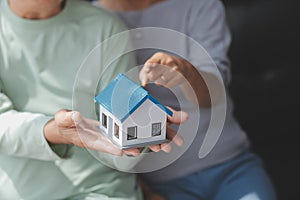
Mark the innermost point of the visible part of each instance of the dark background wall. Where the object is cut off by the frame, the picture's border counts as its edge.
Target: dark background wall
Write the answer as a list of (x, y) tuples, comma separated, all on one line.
[(265, 55)]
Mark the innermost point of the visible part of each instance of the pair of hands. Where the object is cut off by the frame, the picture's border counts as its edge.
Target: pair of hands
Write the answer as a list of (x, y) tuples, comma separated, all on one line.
[(70, 127)]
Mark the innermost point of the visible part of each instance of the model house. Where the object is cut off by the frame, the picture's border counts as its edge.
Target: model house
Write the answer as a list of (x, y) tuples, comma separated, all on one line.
[(129, 115)]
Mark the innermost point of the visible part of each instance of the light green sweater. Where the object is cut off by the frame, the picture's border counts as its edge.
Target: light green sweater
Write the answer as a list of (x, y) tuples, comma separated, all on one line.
[(39, 60)]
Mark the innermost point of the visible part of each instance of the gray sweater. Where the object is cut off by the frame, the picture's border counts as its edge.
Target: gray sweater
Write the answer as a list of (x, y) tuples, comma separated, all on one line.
[(204, 21)]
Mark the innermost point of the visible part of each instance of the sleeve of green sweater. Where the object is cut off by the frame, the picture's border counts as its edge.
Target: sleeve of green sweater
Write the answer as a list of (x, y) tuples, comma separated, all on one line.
[(22, 134)]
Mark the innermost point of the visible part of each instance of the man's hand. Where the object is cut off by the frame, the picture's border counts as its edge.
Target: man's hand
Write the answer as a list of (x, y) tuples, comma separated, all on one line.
[(178, 117), (164, 69), (171, 71)]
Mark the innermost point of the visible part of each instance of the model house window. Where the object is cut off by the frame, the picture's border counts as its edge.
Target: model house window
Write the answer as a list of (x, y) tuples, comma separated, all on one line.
[(156, 129), (104, 120), (132, 133), (116, 130)]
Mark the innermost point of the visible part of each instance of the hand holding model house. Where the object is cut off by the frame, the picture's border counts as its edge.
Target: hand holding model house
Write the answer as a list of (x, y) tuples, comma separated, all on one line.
[(126, 122), (132, 118)]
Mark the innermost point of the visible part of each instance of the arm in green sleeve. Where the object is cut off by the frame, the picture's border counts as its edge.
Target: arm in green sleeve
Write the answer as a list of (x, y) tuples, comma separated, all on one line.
[(22, 134)]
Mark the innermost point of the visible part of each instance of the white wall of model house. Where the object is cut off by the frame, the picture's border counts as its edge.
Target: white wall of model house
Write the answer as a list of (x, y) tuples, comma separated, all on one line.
[(109, 128), (144, 118)]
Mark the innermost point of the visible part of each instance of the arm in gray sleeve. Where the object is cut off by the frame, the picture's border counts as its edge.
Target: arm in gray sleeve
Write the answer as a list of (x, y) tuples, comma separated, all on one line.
[(207, 25)]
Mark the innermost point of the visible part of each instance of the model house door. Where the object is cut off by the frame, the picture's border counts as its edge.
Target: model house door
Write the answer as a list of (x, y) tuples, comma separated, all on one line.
[(110, 127)]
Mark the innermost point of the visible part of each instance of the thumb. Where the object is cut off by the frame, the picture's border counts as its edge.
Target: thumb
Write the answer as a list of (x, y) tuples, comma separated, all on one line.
[(178, 117), (67, 118), (143, 77)]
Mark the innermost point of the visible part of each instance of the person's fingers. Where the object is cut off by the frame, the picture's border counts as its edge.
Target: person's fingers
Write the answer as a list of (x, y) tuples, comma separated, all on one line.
[(169, 74), (148, 67), (156, 71), (160, 82), (143, 76), (85, 134), (178, 117), (166, 147), (102, 144), (168, 79), (160, 68), (110, 149), (175, 81), (91, 124), (168, 60), (174, 137), (132, 151), (155, 58), (90, 136), (77, 117), (63, 118), (150, 72), (155, 147), (153, 75)]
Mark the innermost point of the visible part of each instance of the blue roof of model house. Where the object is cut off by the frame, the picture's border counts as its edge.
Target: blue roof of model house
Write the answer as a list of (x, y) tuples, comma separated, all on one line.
[(123, 96)]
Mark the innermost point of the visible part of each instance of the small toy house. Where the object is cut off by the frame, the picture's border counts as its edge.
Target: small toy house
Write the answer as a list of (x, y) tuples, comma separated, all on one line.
[(129, 115)]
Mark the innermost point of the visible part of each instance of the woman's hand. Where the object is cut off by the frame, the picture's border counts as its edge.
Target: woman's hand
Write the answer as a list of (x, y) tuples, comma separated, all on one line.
[(70, 127)]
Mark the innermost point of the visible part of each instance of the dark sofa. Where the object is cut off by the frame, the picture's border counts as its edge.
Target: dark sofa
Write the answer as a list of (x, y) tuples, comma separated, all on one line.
[(265, 55)]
